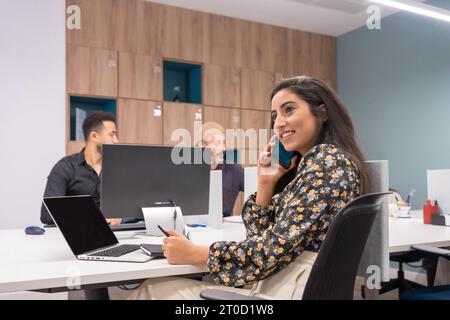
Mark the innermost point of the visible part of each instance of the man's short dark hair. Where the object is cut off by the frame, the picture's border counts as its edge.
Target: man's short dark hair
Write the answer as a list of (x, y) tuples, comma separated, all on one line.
[(94, 122)]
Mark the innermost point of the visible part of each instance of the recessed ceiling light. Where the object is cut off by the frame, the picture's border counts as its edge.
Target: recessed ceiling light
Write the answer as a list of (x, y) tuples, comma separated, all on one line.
[(416, 7)]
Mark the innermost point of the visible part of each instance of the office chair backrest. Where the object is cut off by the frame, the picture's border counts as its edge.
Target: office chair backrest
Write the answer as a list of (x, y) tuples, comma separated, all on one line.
[(333, 274)]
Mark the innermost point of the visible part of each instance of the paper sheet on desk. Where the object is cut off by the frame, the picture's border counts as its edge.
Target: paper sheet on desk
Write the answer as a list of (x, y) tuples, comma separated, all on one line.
[(233, 219), (203, 235)]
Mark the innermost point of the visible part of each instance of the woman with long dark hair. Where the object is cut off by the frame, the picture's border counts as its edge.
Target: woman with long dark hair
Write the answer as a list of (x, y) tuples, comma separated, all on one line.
[(284, 230)]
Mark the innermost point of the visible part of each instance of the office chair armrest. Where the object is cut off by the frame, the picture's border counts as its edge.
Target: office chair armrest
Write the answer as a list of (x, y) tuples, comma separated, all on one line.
[(433, 250), (214, 294)]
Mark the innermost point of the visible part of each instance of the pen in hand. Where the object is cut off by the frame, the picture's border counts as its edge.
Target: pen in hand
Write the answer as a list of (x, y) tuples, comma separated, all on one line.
[(163, 231)]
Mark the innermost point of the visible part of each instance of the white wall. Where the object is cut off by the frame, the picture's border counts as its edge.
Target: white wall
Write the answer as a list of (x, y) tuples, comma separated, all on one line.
[(32, 109)]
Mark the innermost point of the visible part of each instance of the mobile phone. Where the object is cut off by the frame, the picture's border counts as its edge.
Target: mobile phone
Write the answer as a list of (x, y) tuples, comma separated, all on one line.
[(280, 154)]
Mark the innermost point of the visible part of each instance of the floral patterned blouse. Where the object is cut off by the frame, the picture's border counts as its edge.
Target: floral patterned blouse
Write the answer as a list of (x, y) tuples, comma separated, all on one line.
[(296, 220)]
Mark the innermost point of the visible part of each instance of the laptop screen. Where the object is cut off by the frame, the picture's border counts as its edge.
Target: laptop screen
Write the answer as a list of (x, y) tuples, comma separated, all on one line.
[(81, 223)]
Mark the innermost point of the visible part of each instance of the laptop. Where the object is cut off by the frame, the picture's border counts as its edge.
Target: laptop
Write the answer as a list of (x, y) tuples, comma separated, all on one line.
[(87, 233)]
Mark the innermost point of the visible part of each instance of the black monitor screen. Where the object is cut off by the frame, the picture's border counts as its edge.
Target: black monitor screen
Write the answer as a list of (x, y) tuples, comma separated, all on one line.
[(81, 223), (136, 176)]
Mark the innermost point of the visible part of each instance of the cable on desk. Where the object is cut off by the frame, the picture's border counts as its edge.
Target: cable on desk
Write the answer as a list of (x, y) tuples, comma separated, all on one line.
[(129, 288), (420, 266)]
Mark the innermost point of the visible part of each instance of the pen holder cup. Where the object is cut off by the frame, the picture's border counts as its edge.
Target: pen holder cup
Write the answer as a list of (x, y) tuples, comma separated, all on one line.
[(403, 211)]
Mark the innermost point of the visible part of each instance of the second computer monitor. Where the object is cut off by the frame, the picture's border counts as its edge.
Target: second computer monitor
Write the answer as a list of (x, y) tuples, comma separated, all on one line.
[(137, 176)]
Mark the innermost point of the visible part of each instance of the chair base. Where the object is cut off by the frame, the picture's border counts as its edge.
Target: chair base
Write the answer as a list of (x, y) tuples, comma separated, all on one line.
[(433, 293), (402, 284)]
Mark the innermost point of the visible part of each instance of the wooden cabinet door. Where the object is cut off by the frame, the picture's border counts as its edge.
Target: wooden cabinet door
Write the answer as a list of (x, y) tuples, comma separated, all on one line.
[(256, 120), (91, 71), (139, 27), (97, 24), (324, 56), (226, 38), (228, 118), (265, 47), (256, 87), (185, 35), (221, 86), (311, 54), (184, 121), (139, 121), (299, 51), (140, 76)]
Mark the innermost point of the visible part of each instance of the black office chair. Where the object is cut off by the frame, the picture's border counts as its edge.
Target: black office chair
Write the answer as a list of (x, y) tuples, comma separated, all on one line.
[(333, 274)]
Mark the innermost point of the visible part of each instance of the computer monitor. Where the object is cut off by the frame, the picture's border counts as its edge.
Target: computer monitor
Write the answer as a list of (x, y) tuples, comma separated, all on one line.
[(137, 176)]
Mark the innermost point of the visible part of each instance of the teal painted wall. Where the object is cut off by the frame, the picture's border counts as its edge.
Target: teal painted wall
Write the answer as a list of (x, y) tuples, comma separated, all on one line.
[(396, 83)]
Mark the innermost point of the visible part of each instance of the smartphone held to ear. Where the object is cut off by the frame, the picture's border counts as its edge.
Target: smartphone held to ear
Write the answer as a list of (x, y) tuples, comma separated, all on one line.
[(280, 154)]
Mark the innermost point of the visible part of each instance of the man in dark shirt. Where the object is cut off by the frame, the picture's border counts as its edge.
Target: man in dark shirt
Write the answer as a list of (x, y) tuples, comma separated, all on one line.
[(79, 174), (213, 137)]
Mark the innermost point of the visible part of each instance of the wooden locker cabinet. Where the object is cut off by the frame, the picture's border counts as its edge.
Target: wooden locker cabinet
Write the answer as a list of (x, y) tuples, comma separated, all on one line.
[(221, 86), (139, 27), (324, 56), (184, 116), (252, 119), (139, 121), (185, 35), (140, 76), (265, 47), (91, 71), (311, 54), (256, 87), (226, 38), (97, 24), (229, 118)]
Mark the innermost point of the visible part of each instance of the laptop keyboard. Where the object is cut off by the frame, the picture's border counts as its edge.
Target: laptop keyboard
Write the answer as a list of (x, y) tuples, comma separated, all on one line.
[(117, 251)]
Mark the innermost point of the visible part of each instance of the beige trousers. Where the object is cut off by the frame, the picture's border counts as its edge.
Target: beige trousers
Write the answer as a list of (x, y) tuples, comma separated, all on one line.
[(288, 283)]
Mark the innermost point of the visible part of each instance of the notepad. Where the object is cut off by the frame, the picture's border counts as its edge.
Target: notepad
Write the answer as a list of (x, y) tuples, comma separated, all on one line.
[(233, 219)]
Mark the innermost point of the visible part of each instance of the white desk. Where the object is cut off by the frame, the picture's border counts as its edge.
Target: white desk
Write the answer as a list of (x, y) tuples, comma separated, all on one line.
[(46, 262), (403, 233)]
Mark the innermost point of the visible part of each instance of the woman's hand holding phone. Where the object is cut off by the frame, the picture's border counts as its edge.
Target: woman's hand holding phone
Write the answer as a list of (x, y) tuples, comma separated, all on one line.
[(269, 172)]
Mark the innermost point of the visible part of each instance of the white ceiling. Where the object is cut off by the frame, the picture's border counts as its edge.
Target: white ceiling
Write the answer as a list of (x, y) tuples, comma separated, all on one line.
[(332, 17)]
